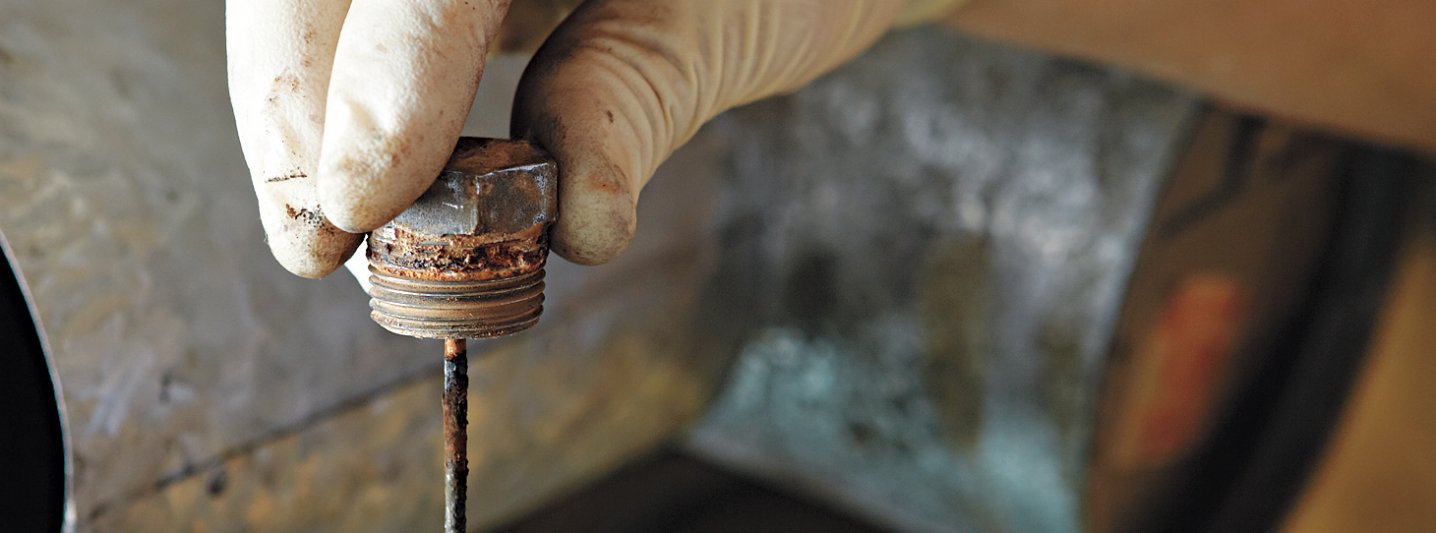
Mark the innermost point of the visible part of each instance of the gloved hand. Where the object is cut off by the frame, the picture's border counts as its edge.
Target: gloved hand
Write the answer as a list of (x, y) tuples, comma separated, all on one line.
[(346, 111)]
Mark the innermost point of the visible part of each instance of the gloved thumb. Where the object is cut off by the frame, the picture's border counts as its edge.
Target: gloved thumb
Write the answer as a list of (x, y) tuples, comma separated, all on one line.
[(621, 84)]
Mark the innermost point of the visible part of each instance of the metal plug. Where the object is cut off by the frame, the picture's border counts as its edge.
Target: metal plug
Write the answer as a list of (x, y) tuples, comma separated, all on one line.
[(467, 261)]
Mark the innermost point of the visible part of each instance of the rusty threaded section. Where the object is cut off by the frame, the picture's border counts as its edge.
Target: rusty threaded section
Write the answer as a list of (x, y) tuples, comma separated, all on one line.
[(456, 309), (457, 257), (453, 287)]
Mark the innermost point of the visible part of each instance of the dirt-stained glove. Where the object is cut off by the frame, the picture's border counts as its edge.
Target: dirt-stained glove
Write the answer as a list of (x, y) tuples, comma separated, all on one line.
[(347, 110)]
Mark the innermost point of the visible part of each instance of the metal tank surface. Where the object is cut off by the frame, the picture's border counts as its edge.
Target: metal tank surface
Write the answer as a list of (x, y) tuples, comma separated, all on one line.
[(892, 289), (923, 259)]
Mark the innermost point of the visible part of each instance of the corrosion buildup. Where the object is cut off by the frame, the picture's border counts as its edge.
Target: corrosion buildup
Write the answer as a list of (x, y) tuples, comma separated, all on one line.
[(466, 261), (456, 438)]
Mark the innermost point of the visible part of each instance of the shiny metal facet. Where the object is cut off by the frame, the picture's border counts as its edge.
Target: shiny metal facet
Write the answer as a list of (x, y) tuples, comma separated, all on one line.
[(494, 187)]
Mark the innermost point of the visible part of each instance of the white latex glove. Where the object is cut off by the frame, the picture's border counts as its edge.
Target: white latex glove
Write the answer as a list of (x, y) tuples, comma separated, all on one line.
[(347, 111)]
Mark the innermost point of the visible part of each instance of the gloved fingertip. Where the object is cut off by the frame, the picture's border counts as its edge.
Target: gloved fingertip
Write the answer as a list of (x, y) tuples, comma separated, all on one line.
[(596, 221), (591, 246), (305, 266), (350, 205), (349, 217), (314, 250)]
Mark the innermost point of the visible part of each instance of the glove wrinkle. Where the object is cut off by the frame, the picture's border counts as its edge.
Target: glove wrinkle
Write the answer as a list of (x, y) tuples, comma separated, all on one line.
[(622, 84)]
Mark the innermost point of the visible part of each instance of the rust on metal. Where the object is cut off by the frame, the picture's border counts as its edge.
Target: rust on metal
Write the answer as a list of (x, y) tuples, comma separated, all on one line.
[(402, 253), (456, 440), (467, 259), (438, 309)]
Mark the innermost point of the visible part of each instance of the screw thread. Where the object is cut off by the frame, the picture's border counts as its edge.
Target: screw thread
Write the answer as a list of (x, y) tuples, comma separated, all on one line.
[(448, 309)]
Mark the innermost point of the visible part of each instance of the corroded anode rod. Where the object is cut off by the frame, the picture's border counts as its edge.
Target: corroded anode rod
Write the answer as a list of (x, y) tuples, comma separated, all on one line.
[(466, 262), (456, 438)]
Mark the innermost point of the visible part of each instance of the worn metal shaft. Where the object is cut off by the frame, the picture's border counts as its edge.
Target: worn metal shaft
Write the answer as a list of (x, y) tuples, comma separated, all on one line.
[(456, 439)]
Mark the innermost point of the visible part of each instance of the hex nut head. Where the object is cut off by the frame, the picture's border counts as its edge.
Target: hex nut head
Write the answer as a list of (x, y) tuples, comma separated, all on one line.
[(490, 187)]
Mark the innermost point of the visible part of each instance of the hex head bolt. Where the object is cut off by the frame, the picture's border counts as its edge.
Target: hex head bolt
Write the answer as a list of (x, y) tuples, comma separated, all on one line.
[(467, 261)]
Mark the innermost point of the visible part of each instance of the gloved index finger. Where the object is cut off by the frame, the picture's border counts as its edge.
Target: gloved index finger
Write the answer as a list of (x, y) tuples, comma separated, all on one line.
[(279, 56), (404, 77)]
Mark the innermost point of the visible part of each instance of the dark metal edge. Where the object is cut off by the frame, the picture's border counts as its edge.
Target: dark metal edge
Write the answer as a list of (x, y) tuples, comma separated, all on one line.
[(19, 290)]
